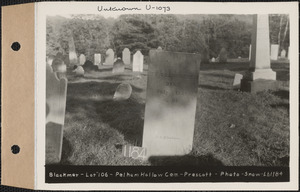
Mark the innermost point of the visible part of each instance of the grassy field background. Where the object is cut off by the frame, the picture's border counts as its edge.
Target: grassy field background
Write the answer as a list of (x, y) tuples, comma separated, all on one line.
[(232, 128)]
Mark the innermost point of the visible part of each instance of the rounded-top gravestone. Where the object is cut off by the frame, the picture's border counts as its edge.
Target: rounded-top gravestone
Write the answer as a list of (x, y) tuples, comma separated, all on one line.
[(223, 55), (78, 70), (123, 92), (119, 66)]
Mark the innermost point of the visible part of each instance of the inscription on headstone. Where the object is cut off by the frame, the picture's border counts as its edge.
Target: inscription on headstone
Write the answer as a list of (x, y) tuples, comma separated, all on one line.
[(82, 59), (109, 57), (138, 62), (172, 87), (56, 92), (126, 56), (97, 59)]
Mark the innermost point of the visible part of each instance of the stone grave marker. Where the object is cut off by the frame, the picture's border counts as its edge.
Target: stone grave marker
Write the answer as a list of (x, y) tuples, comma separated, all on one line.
[(237, 79), (72, 52), (159, 48), (223, 55), (249, 52), (78, 70), (138, 62), (82, 59), (88, 66), (119, 66), (56, 93), (126, 56), (260, 76), (123, 92), (213, 60), (50, 59), (283, 53), (171, 100), (109, 57), (97, 59), (274, 51), (59, 67)]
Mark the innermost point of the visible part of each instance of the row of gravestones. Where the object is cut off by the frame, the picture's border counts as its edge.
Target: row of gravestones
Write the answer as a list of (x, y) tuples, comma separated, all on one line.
[(274, 54), (137, 63)]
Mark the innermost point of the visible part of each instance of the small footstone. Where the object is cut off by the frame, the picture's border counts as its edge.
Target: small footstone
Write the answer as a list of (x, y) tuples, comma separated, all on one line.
[(123, 92)]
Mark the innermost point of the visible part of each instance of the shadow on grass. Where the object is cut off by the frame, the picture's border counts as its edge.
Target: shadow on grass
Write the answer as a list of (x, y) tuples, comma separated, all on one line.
[(67, 151), (211, 87), (186, 160), (283, 94)]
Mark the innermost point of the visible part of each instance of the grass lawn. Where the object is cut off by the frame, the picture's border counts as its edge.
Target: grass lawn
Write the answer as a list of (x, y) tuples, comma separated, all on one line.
[(232, 128)]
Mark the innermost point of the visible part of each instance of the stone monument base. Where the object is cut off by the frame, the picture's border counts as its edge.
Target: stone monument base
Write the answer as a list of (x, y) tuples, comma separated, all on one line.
[(258, 85)]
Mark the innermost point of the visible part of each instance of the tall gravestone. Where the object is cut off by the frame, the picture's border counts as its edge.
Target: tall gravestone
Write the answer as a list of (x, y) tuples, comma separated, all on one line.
[(126, 56), (260, 75), (56, 93), (138, 62), (274, 51), (82, 59), (249, 52), (109, 57), (172, 87), (72, 52), (97, 59)]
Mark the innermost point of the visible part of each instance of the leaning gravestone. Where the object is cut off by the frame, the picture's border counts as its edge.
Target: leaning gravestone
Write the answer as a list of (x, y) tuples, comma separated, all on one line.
[(97, 59), (283, 54), (237, 79), (82, 59), (138, 62), (109, 58), (123, 92), (119, 66), (171, 100), (126, 56), (56, 93), (223, 55)]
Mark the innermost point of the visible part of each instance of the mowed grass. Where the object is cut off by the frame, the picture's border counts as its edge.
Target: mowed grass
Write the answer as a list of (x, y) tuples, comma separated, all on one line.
[(232, 128)]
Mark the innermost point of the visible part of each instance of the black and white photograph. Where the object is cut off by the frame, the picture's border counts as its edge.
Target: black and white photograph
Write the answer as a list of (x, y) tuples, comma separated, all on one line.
[(204, 95)]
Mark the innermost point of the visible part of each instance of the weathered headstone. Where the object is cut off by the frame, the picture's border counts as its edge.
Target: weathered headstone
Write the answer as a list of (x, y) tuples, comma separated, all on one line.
[(260, 76), (109, 57), (88, 66), (56, 93), (159, 48), (72, 52), (123, 92), (172, 87), (126, 56), (223, 55), (138, 62), (119, 66), (274, 51), (237, 79), (82, 59), (50, 59), (283, 53), (213, 60), (97, 59), (78, 70), (249, 52)]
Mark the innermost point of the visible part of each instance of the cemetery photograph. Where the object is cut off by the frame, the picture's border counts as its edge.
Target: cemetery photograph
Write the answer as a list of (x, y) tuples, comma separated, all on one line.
[(168, 90)]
